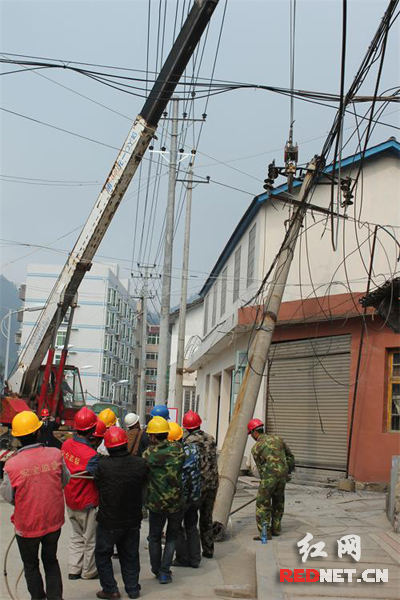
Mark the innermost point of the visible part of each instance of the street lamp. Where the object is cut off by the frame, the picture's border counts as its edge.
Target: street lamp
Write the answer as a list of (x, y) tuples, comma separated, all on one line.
[(120, 382), (7, 332)]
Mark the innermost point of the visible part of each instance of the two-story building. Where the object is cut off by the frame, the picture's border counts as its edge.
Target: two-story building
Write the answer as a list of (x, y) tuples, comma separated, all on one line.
[(329, 354)]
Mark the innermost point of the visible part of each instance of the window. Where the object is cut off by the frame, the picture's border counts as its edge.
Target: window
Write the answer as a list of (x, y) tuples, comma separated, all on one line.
[(205, 325), (214, 309), (152, 356), (224, 283), (112, 295), (151, 387), (61, 335), (105, 389), (186, 400), (153, 339), (152, 372), (108, 342), (110, 322), (236, 275), (107, 362), (394, 390), (251, 255)]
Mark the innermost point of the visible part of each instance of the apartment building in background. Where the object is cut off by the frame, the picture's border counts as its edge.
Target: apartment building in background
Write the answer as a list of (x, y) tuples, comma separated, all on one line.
[(103, 337), (152, 342)]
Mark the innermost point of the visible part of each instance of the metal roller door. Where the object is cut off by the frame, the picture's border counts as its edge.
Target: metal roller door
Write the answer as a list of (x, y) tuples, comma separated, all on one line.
[(307, 399)]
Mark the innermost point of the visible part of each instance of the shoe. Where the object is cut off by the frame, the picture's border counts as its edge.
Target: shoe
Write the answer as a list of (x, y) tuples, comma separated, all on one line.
[(90, 578), (257, 538), (115, 556), (208, 554), (195, 566), (164, 578), (179, 563), (73, 576), (108, 595), (134, 594)]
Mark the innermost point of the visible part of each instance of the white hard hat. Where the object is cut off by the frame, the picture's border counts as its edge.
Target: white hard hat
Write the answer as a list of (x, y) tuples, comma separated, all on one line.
[(131, 419)]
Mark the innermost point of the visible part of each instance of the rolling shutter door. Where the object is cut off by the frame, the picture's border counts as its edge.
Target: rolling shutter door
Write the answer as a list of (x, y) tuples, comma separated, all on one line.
[(308, 389)]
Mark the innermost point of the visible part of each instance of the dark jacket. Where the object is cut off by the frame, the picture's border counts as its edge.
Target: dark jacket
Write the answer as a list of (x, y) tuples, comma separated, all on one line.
[(46, 435), (120, 479)]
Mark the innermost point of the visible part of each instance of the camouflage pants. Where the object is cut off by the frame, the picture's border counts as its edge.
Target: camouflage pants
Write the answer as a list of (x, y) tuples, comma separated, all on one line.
[(270, 503), (206, 522)]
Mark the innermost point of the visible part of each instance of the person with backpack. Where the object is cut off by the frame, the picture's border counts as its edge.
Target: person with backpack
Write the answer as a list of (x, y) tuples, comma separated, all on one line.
[(138, 440)]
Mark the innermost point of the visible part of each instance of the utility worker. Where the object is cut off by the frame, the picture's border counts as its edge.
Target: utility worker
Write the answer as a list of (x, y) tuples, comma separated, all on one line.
[(164, 497), (81, 496), (120, 478), (188, 547), (160, 410), (109, 419), (274, 462), (209, 476), (138, 440), (46, 434), (33, 482), (98, 434)]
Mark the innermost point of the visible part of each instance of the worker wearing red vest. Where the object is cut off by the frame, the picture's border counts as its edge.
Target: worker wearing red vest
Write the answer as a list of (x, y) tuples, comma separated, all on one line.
[(33, 481), (81, 496)]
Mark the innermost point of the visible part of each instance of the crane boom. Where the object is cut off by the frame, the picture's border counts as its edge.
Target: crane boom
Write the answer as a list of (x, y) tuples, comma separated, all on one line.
[(110, 197)]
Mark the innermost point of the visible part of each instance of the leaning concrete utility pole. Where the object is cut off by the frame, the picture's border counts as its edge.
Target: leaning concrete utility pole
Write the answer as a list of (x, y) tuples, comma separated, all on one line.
[(182, 310), (236, 438), (163, 349)]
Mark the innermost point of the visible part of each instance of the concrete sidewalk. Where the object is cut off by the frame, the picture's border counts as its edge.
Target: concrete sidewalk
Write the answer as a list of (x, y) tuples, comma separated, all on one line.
[(241, 565)]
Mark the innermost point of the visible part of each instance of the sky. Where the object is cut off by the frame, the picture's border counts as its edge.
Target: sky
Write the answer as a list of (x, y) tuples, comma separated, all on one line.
[(50, 178)]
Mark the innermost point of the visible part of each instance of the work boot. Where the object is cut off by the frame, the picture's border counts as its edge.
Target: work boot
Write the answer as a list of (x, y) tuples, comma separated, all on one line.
[(108, 595), (208, 554), (73, 576)]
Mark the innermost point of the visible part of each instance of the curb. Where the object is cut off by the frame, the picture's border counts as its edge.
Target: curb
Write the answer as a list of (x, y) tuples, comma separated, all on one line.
[(267, 573)]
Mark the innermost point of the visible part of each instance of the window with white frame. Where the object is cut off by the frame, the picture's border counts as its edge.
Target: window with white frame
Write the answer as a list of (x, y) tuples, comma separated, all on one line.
[(152, 372), (214, 308), (151, 387), (251, 255), (224, 283), (61, 335), (112, 295), (153, 339), (110, 321), (152, 356), (205, 324), (236, 274)]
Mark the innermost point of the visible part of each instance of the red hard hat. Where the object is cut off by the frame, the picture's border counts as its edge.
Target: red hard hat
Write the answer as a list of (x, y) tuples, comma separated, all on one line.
[(85, 419), (114, 437), (191, 420), (253, 424), (100, 430), (45, 413)]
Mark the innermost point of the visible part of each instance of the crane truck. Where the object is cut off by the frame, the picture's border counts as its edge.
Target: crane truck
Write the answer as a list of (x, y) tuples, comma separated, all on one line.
[(37, 386)]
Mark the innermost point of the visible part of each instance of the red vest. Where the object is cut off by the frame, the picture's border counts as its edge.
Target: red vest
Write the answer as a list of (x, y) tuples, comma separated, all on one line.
[(35, 475), (79, 493)]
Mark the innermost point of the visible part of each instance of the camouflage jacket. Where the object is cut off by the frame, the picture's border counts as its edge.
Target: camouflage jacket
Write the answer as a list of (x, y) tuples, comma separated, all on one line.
[(272, 457), (164, 490), (208, 458), (191, 474)]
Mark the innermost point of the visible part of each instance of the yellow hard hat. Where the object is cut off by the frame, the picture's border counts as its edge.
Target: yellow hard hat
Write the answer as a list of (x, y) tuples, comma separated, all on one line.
[(24, 423), (175, 432), (157, 425), (108, 417)]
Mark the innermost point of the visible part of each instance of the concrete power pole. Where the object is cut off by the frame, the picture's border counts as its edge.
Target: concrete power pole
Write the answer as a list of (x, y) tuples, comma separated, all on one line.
[(182, 311), (141, 409), (236, 438), (162, 365)]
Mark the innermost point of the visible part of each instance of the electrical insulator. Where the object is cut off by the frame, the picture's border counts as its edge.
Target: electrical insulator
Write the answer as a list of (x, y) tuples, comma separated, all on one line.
[(272, 171), (291, 153), (345, 186), (163, 148)]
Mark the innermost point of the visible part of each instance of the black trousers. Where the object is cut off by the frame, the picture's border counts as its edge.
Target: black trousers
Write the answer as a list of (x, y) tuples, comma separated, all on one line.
[(127, 543), (161, 561), (29, 551), (188, 547)]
